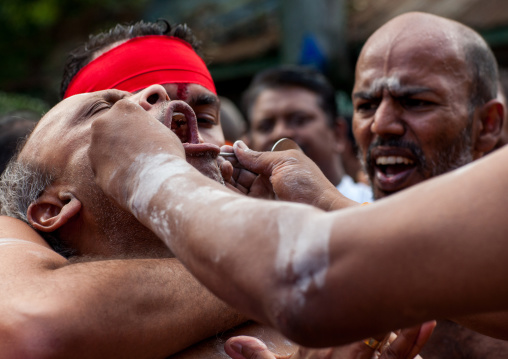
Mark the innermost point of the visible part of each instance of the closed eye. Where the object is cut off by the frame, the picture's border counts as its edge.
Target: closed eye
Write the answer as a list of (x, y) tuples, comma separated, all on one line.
[(95, 108), (100, 106)]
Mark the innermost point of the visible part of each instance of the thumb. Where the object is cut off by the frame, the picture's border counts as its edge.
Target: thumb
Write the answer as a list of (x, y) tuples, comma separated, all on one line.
[(244, 347), (255, 161)]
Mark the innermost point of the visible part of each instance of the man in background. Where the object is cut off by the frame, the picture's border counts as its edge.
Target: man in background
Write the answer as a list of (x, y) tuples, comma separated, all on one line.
[(299, 103)]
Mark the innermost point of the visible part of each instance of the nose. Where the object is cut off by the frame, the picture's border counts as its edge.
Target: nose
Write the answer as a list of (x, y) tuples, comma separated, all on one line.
[(387, 120), (281, 130), (151, 97)]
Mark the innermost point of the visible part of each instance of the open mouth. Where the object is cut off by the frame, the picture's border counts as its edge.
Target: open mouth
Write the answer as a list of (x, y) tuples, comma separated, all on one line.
[(179, 125), (181, 119), (393, 165), (393, 172)]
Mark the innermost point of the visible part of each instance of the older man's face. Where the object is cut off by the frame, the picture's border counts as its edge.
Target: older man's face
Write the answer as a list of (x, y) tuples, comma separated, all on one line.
[(63, 135), (61, 140), (411, 117)]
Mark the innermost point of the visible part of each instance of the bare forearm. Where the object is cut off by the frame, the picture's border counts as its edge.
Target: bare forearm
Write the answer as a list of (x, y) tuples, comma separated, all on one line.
[(358, 253), (211, 258)]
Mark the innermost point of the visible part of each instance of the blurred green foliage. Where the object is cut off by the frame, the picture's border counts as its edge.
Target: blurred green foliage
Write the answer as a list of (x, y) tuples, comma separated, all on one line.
[(13, 102)]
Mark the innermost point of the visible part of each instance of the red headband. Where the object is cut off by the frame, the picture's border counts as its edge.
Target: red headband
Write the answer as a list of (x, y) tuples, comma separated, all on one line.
[(141, 62)]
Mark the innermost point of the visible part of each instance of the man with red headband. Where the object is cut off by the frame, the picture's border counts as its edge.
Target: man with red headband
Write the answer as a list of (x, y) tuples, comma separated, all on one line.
[(131, 58), (178, 311)]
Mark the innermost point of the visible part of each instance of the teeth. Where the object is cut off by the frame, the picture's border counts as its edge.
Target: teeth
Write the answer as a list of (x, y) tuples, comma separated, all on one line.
[(178, 117), (393, 160)]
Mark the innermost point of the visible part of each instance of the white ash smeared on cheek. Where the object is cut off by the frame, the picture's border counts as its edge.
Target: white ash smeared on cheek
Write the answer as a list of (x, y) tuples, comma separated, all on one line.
[(302, 255)]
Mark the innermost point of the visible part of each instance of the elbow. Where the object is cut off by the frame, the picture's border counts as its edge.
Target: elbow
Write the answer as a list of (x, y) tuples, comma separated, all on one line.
[(289, 318), (297, 315), (306, 313)]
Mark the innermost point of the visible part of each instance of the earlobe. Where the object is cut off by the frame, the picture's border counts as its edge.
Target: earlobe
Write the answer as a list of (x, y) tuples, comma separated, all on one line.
[(51, 212), (491, 117)]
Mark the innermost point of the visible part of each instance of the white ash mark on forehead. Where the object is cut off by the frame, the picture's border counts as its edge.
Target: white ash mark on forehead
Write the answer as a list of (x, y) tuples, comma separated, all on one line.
[(391, 83)]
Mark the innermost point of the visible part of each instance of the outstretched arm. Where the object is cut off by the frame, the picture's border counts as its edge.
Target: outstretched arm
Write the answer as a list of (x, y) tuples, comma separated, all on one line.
[(129, 308), (291, 175), (319, 276)]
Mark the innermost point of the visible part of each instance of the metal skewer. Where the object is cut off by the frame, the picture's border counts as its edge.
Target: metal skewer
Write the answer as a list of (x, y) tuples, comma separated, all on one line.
[(281, 145)]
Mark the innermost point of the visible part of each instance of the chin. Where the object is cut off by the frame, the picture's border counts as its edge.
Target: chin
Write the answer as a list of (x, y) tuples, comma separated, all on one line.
[(207, 166)]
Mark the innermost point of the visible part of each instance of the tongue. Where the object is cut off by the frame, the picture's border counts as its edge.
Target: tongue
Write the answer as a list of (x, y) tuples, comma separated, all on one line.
[(392, 170)]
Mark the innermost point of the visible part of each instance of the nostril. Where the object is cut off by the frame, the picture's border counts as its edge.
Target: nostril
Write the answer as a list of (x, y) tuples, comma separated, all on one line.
[(152, 99)]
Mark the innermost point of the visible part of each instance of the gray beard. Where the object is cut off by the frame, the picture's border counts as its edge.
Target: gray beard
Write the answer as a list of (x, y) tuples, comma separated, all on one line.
[(457, 155)]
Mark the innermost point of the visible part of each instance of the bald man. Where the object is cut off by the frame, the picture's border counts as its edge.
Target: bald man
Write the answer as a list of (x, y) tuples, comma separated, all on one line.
[(415, 119)]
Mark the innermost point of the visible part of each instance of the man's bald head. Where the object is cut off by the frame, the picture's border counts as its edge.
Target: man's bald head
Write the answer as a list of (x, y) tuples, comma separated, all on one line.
[(432, 33), (424, 100)]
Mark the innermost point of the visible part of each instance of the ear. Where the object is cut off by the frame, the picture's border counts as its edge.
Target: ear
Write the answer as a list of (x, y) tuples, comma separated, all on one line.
[(491, 116), (340, 128), (52, 210)]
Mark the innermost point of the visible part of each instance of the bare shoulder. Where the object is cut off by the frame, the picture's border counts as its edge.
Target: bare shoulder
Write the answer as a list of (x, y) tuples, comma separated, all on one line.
[(23, 250), (12, 228)]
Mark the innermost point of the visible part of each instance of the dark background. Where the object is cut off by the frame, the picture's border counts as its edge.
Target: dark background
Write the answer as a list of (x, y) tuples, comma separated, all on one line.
[(241, 37)]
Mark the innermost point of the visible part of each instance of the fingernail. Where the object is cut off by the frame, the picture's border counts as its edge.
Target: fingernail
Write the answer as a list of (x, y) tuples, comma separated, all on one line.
[(240, 144), (237, 347)]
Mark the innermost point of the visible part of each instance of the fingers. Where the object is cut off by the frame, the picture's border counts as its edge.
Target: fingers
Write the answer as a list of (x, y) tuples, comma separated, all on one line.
[(425, 332), (226, 169), (258, 162), (409, 342), (244, 347)]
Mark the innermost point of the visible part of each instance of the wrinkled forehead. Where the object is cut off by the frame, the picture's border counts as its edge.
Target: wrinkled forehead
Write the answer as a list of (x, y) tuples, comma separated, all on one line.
[(399, 56)]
